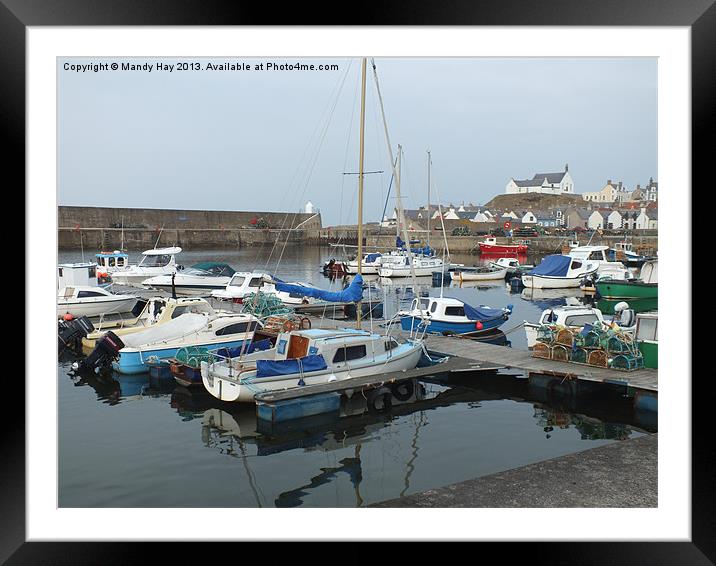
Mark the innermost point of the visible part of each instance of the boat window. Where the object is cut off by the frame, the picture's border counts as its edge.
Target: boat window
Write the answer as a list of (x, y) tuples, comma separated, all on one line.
[(349, 353), (455, 311), (434, 306), (238, 281), (92, 271), (120, 262), (110, 262), (391, 344), (256, 282), (155, 260), (424, 303), (85, 294), (596, 255), (576, 264), (647, 329), (237, 328), (581, 319), (60, 271)]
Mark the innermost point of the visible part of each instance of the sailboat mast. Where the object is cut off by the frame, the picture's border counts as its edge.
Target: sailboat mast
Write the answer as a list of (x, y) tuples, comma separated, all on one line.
[(360, 182), (428, 198)]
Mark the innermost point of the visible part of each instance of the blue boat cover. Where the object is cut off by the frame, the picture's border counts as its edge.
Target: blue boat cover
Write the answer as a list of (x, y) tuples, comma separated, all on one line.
[(372, 257), (267, 368), (481, 313), (258, 346), (553, 266), (351, 294), (427, 250)]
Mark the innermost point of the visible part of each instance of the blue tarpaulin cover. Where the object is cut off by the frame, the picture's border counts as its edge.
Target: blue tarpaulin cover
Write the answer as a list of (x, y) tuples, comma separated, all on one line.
[(552, 265), (266, 368), (372, 257), (351, 294), (258, 346), (427, 250), (481, 313)]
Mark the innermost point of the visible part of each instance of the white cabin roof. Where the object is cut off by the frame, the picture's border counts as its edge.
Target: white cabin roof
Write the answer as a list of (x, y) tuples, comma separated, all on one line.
[(162, 251)]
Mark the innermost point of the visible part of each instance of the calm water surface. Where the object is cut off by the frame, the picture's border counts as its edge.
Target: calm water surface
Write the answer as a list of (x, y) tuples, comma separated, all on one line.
[(132, 441)]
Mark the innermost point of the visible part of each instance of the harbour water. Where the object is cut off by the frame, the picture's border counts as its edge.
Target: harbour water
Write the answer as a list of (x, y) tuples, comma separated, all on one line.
[(136, 441)]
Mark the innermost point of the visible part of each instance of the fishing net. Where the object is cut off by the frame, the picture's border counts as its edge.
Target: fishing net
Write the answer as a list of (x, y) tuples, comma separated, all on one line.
[(262, 305), (193, 356)]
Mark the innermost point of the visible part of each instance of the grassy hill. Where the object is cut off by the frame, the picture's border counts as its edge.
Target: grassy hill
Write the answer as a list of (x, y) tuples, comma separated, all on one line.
[(535, 201)]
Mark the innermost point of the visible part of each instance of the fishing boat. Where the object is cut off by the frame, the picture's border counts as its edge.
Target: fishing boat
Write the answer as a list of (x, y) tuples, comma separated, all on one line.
[(598, 255), (645, 287), (308, 357), (490, 246), (446, 315), (647, 325), (576, 317), (109, 263), (157, 261), (147, 312), (79, 293), (141, 349), (480, 273), (558, 272), (624, 252), (199, 279), (243, 283)]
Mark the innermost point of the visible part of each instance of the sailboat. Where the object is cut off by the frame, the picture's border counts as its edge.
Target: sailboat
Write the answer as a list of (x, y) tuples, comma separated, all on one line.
[(315, 356)]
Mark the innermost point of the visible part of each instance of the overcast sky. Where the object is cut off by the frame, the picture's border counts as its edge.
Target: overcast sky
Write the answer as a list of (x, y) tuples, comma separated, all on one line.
[(275, 139)]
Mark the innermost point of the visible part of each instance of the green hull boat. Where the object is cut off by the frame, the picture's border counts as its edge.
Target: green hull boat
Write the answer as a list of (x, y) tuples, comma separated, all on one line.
[(610, 289), (650, 353)]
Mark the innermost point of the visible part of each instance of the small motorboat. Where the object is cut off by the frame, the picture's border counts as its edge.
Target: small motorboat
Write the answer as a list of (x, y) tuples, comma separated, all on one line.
[(490, 246), (645, 287), (157, 261), (91, 301), (558, 272), (199, 279), (479, 273), (369, 265), (445, 315), (308, 357), (399, 266), (141, 349), (576, 317), (514, 267)]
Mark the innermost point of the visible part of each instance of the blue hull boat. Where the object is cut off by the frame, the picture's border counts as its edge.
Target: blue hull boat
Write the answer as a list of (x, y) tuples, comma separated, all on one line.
[(409, 323), (139, 361), (445, 315)]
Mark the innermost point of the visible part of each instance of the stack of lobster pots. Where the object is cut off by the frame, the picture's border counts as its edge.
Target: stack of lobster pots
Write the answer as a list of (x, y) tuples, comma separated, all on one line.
[(594, 345)]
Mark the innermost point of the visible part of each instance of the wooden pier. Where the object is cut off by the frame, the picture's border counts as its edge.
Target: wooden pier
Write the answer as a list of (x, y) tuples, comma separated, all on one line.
[(500, 356)]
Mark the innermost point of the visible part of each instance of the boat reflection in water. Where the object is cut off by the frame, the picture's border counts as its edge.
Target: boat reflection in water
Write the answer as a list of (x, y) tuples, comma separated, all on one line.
[(114, 388)]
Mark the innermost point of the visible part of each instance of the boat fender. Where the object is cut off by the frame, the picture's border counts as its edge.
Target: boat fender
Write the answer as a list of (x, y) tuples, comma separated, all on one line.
[(404, 390), (478, 325), (374, 395), (68, 316)]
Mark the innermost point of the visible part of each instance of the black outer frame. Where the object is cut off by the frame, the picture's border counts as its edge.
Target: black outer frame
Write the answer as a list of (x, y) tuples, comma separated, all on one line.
[(699, 15)]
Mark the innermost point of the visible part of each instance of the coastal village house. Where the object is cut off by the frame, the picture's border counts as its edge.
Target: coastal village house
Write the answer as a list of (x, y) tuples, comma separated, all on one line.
[(614, 220), (610, 193), (647, 219), (650, 193), (595, 220), (547, 183)]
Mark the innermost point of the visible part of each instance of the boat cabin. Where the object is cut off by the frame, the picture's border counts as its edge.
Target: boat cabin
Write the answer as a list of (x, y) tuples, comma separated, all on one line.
[(647, 326), (77, 275), (111, 261), (507, 262), (159, 257), (590, 253), (336, 346), (571, 316)]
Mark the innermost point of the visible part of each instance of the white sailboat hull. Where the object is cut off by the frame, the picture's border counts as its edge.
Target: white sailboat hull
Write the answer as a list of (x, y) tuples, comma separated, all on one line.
[(92, 307)]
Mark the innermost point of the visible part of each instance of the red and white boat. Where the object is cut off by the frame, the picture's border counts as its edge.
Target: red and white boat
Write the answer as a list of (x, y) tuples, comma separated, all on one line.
[(490, 246)]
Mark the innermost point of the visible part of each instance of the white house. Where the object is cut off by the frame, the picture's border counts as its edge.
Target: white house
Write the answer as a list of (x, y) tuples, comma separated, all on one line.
[(595, 220), (529, 218), (548, 183), (614, 220), (647, 219), (482, 217)]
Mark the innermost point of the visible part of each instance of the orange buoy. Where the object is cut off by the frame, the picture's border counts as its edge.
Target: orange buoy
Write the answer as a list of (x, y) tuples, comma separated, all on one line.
[(68, 316), (478, 325)]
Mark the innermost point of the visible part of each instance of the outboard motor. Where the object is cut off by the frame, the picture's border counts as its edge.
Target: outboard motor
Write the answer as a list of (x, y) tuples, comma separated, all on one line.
[(100, 359), (70, 333)]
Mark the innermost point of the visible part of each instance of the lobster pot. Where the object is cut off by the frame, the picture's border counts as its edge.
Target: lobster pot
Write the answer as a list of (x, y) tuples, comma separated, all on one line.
[(628, 362), (193, 356), (591, 340), (565, 337), (560, 353), (579, 355), (598, 358), (541, 350), (616, 345), (545, 334)]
